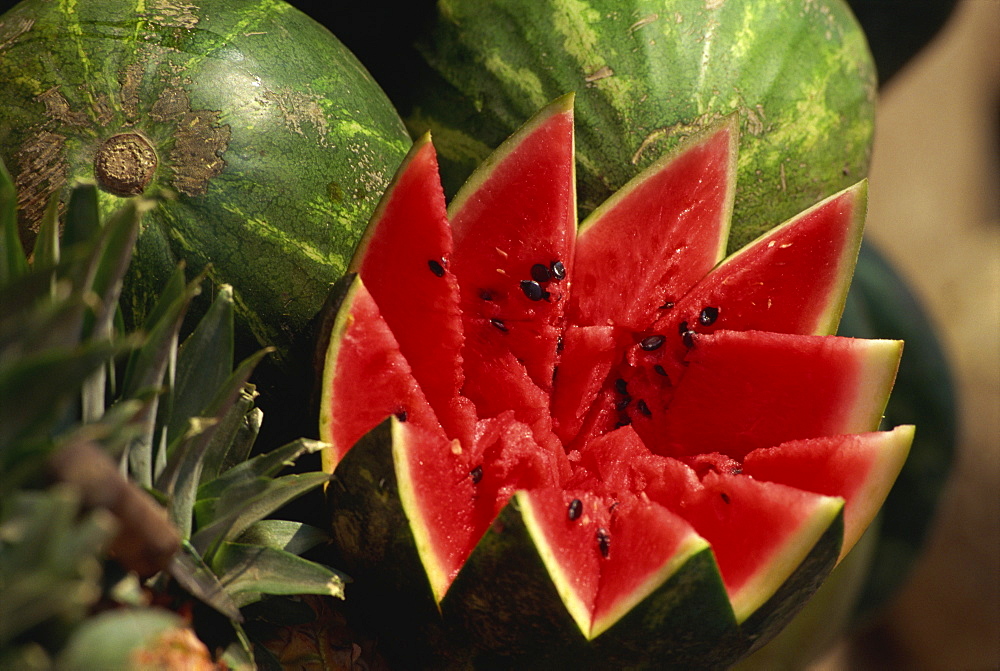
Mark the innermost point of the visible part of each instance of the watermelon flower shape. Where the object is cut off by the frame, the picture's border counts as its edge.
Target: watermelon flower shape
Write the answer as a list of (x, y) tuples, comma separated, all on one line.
[(603, 443)]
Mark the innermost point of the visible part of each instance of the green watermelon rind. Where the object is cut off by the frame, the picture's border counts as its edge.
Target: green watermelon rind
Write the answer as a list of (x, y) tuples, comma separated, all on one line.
[(504, 607), (801, 77), (307, 139)]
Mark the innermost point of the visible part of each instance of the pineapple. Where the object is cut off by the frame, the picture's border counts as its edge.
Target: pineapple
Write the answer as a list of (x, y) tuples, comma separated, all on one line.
[(130, 504)]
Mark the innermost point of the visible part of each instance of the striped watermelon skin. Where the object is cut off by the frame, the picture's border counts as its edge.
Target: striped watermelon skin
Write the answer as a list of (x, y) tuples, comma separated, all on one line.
[(650, 73), (273, 138)]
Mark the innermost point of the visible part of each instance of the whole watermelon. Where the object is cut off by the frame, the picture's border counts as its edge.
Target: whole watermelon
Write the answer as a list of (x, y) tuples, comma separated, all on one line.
[(273, 139), (649, 73)]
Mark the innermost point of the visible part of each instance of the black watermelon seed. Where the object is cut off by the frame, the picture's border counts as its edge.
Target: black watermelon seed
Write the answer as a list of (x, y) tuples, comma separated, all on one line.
[(682, 328), (540, 272), (668, 305), (643, 408), (736, 471), (604, 541), (725, 497), (532, 289), (486, 295), (688, 337), (660, 370), (651, 343), (612, 507), (499, 324), (436, 267), (575, 509), (558, 271), (621, 386), (477, 474), (560, 345), (401, 415), (624, 420), (622, 404), (708, 315)]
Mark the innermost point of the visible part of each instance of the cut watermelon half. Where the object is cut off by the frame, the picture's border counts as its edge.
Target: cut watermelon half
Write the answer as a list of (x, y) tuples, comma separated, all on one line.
[(606, 444)]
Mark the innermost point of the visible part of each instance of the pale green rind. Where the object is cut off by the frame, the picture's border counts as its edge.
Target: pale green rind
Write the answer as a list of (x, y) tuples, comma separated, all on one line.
[(688, 548), (787, 559), (561, 105), (505, 604), (376, 548), (342, 294), (437, 575), (893, 449), (876, 375), (830, 319), (578, 610), (791, 596), (647, 73)]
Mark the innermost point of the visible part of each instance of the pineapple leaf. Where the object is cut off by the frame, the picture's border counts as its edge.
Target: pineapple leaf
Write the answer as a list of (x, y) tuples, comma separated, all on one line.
[(194, 575), (49, 567), (294, 537), (12, 260), (264, 465), (82, 215), (204, 362), (46, 252), (247, 502), (247, 572), (32, 408), (236, 433), (180, 479), (146, 370)]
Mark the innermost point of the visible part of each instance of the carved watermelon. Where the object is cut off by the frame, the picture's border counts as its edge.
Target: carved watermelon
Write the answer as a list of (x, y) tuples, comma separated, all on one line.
[(607, 446)]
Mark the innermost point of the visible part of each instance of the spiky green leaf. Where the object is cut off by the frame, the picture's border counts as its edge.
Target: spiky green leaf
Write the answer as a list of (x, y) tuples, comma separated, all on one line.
[(249, 571), (295, 537), (13, 263)]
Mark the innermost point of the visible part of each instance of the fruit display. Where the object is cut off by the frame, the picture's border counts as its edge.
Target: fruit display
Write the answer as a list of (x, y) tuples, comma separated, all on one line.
[(273, 139), (632, 446), (589, 384)]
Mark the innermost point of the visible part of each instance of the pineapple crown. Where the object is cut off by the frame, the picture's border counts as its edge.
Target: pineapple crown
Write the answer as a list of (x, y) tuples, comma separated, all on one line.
[(134, 447)]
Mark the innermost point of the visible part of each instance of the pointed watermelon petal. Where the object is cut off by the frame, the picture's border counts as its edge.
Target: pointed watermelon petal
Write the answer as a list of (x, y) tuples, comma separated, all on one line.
[(651, 241), (568, 547), (648, 545), (440, 517), (518, 210), (362, 347), (404, 260), (860, 468), (751, 289), (741, 390), (760, 532)]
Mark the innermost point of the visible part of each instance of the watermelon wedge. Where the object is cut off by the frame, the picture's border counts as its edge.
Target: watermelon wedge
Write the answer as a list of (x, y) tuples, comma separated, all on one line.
[(609, 446)]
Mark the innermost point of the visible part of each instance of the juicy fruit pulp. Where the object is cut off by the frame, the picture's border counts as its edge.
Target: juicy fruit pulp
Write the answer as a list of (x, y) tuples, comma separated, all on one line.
[(571, 411)]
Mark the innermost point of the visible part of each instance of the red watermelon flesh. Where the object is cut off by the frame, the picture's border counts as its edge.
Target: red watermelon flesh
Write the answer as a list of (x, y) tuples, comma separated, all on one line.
[(649, 420), (362, 347), (858, 468), (515, 213), (408, 244), (657, 236)]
